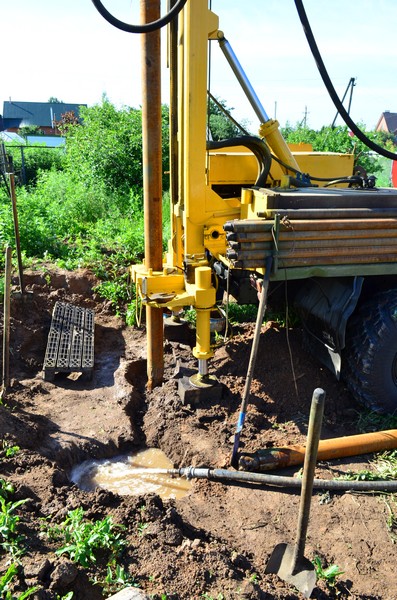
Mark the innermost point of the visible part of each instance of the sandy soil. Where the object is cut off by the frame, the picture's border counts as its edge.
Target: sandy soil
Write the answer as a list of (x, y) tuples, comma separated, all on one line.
[(215, 542)]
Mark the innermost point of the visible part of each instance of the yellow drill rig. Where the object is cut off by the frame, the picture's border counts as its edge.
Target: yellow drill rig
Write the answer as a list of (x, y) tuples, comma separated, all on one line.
[(329, 232)]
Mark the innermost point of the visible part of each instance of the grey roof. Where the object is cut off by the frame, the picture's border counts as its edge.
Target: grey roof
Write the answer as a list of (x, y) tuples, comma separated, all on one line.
[(390, 119), (36, 113)]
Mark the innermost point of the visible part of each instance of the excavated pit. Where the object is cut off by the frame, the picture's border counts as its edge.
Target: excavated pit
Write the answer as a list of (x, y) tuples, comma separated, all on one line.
[(216, 540)]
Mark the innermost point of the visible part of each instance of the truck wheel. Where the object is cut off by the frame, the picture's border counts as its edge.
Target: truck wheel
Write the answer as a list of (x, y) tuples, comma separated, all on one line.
[(369, 361)]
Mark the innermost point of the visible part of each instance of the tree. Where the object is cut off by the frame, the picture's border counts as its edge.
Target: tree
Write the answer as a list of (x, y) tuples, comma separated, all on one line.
[(220, 125), (107, 148), (54, 100), (340, 139)]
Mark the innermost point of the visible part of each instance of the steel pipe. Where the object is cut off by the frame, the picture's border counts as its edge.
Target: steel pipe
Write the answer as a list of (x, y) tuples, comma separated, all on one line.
[(152, 185)]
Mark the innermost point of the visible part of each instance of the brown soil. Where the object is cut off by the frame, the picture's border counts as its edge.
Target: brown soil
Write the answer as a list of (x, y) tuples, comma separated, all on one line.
[(215, 542)]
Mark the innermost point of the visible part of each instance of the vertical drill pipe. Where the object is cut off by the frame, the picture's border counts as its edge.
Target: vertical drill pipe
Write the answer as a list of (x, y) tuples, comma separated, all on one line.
[(152, 191), (6, 324), (16, 230)]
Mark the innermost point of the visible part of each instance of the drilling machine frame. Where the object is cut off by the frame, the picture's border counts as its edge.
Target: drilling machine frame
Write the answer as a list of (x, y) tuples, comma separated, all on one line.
[(336, 245)]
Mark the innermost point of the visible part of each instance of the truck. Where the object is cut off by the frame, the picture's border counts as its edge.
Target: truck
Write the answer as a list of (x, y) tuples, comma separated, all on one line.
[(250, 209)]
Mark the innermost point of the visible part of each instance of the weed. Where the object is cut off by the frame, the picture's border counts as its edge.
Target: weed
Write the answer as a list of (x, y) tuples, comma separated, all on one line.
[(141, 528), (84, 538), (7, 579), (384, 468), (116, 579), (10, 541), (327, 574), (67, 596), (208, 597), (9, 451)]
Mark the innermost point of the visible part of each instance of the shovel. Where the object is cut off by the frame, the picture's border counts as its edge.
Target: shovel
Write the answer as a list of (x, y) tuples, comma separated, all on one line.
[(288, 560)]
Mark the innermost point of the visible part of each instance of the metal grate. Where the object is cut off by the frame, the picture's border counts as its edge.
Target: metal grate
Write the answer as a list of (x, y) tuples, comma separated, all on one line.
[(70, 344)]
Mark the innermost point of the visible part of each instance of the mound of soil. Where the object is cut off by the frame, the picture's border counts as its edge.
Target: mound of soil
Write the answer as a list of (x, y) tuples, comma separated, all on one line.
[(216, 541)]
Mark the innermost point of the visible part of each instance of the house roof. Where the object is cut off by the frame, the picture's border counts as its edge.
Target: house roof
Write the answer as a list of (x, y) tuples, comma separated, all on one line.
[(390, 121), (20, 114)]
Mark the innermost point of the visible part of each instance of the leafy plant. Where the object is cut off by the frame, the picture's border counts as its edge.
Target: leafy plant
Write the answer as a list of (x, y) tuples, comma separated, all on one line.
[(9, 451), (7, 579), (10, 541), (384, 468), (67, 596), (83, 538), (116, 579), (328, 574)]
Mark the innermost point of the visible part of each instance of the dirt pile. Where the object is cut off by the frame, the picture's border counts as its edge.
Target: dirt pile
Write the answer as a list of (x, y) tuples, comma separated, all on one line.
[(215, 542)]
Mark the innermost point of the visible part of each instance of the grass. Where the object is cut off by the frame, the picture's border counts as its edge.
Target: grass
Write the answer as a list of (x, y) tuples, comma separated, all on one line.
[(369, 421), (384, 467)]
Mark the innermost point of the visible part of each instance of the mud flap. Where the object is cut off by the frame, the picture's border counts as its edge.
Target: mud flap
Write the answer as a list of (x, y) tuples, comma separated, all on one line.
[(325, 305)]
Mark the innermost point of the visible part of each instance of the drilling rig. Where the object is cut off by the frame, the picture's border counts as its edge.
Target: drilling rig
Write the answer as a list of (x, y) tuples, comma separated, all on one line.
[(250, 209)]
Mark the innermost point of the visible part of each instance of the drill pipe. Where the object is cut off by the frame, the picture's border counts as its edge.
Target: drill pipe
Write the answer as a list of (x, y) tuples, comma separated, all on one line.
[(352, 445)]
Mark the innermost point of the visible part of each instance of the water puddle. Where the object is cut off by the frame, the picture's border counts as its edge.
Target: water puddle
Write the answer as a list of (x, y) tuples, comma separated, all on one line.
[(131, 475)]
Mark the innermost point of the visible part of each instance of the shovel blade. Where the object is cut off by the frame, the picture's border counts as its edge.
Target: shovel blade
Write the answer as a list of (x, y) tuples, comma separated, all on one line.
[(302, 574)]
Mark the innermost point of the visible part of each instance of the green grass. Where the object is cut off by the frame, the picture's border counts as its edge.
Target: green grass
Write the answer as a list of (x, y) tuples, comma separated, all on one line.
[(369, 421)]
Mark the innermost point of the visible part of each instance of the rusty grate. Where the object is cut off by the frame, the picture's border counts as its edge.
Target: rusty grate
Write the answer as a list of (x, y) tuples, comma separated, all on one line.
[(70, 343)]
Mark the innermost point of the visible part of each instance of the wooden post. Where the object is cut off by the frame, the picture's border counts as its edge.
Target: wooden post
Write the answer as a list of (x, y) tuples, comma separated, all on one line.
[(16, 226), (6, 324)]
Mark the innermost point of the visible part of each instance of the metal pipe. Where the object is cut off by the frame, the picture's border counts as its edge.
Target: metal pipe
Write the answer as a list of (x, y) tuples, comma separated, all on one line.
[(336, 485), (352, 445), (152, 186), (6, 323), (243, 79)]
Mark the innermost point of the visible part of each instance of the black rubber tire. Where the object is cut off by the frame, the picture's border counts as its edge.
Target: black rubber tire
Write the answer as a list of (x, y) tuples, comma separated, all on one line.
[(369, 361)]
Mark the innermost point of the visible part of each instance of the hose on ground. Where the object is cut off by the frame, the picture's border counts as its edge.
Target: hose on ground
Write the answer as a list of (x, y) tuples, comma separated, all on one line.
[(337, 485)]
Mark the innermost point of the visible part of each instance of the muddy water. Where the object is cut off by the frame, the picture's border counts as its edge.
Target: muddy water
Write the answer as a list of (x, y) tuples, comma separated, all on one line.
[(131, 475)]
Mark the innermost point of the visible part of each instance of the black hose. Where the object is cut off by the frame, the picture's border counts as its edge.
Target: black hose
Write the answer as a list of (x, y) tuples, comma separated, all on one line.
[(257, 147), (144, 28), (331, 90), (282, 481)]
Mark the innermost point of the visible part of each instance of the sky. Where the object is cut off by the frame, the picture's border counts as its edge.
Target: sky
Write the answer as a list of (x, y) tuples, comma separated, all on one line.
[(65, 49)]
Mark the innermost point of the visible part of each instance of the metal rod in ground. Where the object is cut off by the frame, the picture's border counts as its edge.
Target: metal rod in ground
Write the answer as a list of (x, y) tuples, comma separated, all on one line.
[(16, 230), (152, 192), (252, 361), (6, 325)]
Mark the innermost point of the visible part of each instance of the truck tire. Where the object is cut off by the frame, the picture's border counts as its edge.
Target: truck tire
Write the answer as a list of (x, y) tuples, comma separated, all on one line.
[(369, 360)]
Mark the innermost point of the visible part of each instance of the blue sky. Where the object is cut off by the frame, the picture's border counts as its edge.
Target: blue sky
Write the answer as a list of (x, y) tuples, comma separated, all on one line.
[(65, 49)]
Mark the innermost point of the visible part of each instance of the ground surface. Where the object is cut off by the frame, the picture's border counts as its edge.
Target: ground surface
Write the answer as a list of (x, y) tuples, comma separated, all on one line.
[(215, 542)]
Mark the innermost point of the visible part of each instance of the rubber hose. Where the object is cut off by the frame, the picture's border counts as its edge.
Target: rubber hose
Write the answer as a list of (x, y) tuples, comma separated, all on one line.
[(331, 90), (257, 147), (337, 485), (145, 27), (350, 180)]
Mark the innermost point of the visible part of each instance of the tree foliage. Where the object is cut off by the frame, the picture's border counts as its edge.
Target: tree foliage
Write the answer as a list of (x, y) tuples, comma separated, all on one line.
[(221, 127), (340, 139), (107, 148)]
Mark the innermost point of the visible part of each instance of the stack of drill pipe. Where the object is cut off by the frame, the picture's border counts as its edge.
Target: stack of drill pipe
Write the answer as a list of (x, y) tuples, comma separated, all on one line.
[(303, 242)]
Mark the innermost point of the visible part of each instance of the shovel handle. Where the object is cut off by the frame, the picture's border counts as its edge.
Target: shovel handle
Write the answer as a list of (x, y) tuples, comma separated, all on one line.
[(313, 438)]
